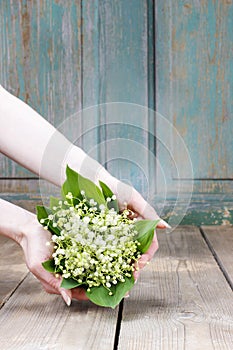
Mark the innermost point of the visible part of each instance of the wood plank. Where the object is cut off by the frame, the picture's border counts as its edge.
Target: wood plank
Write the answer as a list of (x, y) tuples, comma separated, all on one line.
[(12, 268), (202, 210), (33, 319), (124, 30), (90, 77), (220, 241), (181, 301), (194, 80), (26, 186), (40, 60)]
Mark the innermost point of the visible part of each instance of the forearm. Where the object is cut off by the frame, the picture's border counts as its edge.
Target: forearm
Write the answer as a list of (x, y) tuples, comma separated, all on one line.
[(31, 141), (24, 134), (13, 219)]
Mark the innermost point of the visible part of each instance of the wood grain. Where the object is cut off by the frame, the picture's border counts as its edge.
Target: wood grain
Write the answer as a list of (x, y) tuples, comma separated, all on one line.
[(12, 186), (181, 301), (40, 60), (124, 32), (220, 240), (90, 77), (32, 319), (193, 82), (60, 56), (12, 268)]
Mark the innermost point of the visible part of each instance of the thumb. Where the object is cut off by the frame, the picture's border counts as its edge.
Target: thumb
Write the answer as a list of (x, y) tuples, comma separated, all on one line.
[(66, 295)]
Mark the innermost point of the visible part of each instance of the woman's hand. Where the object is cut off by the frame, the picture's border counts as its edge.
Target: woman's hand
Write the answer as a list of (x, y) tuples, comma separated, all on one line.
[(35, 241), (129, 198), (37, 248), (37, 145)]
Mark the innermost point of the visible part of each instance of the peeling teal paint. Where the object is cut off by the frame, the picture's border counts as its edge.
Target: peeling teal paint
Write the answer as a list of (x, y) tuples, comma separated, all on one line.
[(61, 56)]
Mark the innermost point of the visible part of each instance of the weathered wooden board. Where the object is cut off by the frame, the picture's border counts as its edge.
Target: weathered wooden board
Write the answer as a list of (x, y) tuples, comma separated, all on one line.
[(12, 268), (202, 210), (181, 301), (32, 319), (60, 56), (90, 77), (115, 69), (220, 241), (40, 60), (194, 81), (18, 186)]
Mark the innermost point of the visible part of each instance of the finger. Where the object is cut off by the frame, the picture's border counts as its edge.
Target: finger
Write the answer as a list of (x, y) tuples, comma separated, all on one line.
[(48, 288), (163, 224), (142, 207), (52, 283), (142, 262), (145, 210), (138, 204), (79, 294), (146, 257), (153, 247), (136, 275), (65, 294)]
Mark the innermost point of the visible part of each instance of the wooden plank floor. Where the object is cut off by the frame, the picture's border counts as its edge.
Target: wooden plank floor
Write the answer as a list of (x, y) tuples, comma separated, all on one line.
[(182, 300)]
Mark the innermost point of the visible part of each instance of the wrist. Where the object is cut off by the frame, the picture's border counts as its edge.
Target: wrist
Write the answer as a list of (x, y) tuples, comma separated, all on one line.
[(13, 219), (74, 158), (88, 167), (27, 229)]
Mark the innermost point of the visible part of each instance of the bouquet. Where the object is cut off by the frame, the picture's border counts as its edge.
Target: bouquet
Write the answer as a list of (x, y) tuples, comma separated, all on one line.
[(95, 245)]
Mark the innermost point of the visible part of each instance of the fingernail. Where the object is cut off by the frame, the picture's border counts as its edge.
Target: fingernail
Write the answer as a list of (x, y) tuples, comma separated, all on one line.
[(65, 297), (126, 296), (164, 223), (135, 281)]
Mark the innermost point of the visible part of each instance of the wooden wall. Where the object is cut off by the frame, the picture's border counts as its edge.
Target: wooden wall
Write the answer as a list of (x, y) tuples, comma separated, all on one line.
[(62, 56), (194, 86), (194, 56)]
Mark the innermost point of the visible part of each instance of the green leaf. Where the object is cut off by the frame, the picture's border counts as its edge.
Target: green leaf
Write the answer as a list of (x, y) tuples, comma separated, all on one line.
[(91, 190), (108, 194), (106, 190), (75, 183), (69, 283), (100, 295), (113, 204), (145, 229), (43, 213), (71, 185), (54, 202), (143, 226), (49, 265)]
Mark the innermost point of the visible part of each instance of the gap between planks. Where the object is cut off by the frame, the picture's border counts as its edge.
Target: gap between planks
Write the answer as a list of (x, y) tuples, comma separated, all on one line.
[(170, 307), (220, 242), (181, 301)]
